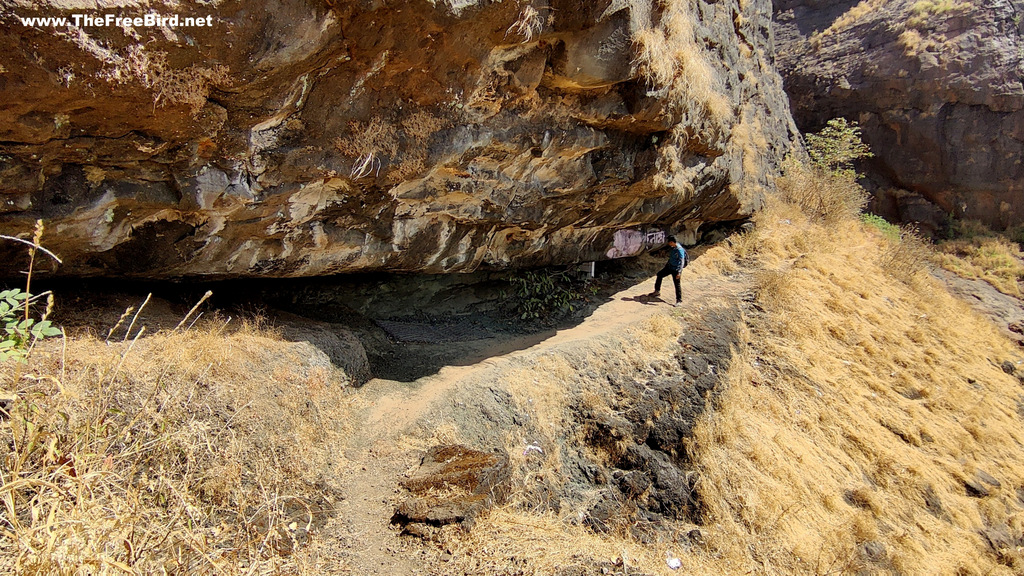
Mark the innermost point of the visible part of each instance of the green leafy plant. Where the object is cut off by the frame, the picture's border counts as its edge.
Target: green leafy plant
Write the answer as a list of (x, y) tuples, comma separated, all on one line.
[(20, 330), (827, 188), (836, 147), (540, 294), (888, 230)]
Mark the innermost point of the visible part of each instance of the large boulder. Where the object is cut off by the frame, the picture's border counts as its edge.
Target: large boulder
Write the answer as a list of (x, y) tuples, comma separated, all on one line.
[(312, 137), (936, 86)]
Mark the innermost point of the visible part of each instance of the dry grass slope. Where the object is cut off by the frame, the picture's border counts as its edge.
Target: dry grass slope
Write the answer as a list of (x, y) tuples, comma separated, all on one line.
[(978, 252), (865, 402), (204, 451)]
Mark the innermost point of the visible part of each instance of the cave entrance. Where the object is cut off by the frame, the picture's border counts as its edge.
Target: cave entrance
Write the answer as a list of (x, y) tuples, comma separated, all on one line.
[(413, 325), (410, 325)]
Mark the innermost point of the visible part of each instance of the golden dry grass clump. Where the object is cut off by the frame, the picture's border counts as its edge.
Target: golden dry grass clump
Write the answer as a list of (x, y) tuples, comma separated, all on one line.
[(978, 252), (207, 450), (671, 58), (863, 406), (397, 150)]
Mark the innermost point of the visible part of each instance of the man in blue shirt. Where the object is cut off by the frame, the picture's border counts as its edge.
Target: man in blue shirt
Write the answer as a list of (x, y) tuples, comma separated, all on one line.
[(676, 263)]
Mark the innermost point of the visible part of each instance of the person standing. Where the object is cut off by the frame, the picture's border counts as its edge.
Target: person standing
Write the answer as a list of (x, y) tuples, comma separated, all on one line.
[(677, 260)]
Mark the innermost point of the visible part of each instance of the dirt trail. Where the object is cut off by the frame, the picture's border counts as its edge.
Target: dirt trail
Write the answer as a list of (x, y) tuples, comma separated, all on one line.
[(381, 450), (393, 419)]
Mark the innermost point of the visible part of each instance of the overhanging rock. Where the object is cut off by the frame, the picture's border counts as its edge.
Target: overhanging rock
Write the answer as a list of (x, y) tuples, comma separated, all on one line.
[(325, 137)]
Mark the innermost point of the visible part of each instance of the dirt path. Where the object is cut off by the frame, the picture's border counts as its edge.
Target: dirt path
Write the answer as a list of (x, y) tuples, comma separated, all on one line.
[(384, 445)]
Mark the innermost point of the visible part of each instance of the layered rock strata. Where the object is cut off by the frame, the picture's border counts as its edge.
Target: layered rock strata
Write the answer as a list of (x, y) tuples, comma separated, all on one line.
[(314, 137)]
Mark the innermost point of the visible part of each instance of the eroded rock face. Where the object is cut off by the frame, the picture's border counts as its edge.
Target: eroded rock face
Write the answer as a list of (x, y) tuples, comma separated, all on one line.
[(312, 137), (936, 87), (453, 485)]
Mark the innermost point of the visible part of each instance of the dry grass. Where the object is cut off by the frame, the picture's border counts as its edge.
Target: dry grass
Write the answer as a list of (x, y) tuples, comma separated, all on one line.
[(396, 150), (862, 396), (924, 11), (912, 42), (865, 398), (185, 86), (986, 255), (201, 451), (919, 16), (824, 197), (853, 16), (528, 24), (509, 542), (748, 141), (670, 58)]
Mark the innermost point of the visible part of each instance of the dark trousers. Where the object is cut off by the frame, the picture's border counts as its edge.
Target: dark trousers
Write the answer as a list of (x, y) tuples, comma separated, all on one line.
[(666, 271)]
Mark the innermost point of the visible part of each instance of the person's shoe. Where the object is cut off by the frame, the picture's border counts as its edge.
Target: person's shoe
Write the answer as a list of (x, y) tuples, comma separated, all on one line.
[(654, 294), (677, 304)]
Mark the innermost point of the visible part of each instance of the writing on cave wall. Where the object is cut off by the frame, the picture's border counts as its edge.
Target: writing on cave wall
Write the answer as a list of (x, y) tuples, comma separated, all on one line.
[(632, 242)]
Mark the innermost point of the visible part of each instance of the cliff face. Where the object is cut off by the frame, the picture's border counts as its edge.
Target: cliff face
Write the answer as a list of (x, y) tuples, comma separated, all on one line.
[(936, 85), (306, 137)]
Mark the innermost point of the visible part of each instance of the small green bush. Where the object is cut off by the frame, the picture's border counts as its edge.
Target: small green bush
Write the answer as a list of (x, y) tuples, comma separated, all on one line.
[(837, 146), (889, 230), (20, 330), (542, 294)]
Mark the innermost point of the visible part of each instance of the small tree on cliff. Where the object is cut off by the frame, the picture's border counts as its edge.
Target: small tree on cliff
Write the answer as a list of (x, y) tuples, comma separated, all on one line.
[(837, 147), (827, 188)]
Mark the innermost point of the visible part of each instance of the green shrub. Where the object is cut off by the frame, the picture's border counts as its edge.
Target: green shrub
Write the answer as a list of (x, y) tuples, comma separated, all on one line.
[(1016, 234), (21, 330), (542, 294), (889, 230), (837, 146)]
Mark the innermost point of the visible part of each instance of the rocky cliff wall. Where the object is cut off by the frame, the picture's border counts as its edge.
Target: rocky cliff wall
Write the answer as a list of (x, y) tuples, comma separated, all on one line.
[(312, 137), (936, 85)]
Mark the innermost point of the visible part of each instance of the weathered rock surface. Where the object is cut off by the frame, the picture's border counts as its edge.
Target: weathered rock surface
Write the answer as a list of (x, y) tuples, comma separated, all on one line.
[(453, 485), (312, 137), (936, 87), (643, 432)]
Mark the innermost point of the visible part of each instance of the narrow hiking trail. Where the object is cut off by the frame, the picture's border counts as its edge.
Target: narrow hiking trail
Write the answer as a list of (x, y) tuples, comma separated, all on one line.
[(393, 423)]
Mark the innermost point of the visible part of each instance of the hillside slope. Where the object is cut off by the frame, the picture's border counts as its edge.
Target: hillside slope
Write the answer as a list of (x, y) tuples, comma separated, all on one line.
[(820, 405)]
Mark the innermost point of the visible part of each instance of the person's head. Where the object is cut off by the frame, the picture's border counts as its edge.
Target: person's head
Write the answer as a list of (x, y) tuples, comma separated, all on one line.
[(672, 241)]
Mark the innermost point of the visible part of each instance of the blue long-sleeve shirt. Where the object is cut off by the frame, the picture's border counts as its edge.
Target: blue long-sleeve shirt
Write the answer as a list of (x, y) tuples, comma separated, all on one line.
[(676, 257)]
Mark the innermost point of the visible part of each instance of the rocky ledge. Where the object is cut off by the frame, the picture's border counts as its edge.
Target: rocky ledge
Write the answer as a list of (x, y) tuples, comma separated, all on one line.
[(313, 137)]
